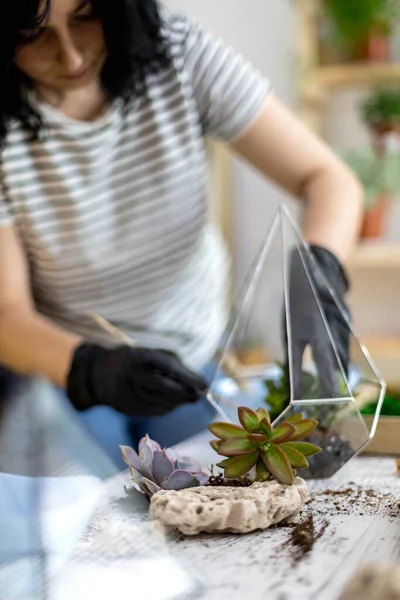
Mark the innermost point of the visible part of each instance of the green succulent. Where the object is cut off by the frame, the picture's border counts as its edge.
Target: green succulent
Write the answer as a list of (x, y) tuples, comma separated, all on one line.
[(274, 452), (278, 395)]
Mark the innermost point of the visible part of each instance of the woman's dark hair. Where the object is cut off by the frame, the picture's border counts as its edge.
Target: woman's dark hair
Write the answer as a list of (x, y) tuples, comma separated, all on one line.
[(135, 48)]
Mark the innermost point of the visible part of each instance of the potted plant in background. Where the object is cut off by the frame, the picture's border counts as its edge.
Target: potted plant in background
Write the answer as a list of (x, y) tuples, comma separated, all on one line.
[(361, 28), (380, 176), (380, 112)]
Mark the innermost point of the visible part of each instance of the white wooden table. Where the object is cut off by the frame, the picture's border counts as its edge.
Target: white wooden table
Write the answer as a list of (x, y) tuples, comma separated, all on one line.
[(361, 527)]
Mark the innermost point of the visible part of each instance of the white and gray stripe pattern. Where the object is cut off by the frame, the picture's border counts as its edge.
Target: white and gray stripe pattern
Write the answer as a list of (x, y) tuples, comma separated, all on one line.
[(113, 213)]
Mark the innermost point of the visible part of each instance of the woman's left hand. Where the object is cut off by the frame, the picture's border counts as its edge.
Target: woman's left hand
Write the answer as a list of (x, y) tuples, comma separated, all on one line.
[(307, 323)]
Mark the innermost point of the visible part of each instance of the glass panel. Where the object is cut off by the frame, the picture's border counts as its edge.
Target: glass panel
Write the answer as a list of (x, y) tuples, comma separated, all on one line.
[(61, 536), (266, 357)]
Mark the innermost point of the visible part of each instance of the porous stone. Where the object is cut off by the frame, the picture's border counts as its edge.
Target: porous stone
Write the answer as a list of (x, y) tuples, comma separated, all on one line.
[(228, 509), (374, 582)]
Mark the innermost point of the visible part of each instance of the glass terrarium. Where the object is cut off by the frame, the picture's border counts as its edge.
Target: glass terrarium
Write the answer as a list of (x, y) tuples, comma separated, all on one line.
[(265, 359), (63, 530)]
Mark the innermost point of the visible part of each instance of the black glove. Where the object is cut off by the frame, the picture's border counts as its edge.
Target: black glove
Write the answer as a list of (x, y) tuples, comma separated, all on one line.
[(133, 381), (306, 321)]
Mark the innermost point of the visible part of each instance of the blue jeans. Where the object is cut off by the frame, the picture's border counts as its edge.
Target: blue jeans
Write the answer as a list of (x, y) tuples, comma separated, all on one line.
[(109, 428)]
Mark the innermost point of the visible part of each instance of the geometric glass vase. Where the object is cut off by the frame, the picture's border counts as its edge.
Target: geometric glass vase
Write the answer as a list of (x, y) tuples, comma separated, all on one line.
[(58, 539), (264, 357)]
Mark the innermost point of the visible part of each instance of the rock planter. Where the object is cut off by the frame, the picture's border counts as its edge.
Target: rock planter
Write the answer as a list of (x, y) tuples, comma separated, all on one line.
[(228, 509)]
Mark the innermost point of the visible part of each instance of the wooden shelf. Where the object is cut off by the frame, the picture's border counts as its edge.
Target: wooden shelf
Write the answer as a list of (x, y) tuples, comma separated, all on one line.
[(337, 76), (385, 352), (375, 255)]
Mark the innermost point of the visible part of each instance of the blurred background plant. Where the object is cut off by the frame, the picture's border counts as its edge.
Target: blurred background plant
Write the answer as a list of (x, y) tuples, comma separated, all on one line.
[(380, 177), (380, 110), (361, 28)]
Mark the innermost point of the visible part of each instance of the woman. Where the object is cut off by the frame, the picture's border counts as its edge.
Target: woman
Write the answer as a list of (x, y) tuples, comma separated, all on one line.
[(103, 114)]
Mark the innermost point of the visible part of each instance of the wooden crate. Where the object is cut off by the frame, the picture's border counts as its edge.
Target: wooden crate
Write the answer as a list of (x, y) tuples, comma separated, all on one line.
[(387, 437)]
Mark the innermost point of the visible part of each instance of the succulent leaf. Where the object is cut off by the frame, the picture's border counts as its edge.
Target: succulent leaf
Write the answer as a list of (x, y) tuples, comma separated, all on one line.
[(303, 429), (152, 444), (248, 418), (296, 459), (257, 438), (179, 480), (240, 465), (162, 467), (236, 447), (294, 418), (262, 473), (262, 413), (277, 463), (265, 427), (215, 444), (305, 448), (187, 464), (282, 433), (146, 452), (130, 457), (149, 486), (225, 431), (224, 463)]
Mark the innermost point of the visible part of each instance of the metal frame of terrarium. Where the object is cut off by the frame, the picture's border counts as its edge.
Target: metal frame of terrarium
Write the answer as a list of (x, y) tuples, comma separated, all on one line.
[(283, 226)]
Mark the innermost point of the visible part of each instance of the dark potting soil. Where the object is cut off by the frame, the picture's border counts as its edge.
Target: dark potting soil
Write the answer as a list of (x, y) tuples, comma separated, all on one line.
[(336, 451), (218, 480), (303, 536), (315, 518)]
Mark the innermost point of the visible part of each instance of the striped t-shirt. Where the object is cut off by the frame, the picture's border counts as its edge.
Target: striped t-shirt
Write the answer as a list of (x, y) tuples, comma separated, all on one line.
[(113, 213)]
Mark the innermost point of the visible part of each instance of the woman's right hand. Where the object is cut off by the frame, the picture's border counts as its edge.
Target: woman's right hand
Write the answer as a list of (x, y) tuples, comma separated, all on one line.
[(134, 381)]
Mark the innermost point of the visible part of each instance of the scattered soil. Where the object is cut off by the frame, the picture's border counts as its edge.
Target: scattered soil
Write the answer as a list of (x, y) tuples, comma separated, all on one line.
[(307, 528), (219, 480), (336, 451), (303, 536), (354, 500)]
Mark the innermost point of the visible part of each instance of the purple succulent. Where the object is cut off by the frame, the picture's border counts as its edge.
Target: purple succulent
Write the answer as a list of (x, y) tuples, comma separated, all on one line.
[(155, 469)]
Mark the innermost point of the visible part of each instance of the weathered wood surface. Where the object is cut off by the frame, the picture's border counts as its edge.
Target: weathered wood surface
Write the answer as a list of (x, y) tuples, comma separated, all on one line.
[(362, 526)]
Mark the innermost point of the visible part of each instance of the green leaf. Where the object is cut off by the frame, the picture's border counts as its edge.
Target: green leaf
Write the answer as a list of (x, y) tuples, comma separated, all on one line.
[(240, 465), (225, 431), (235, 447), (262, 413), (215, 444), (262, 473), (303, 429), (248, 418), (296, 459), (265, 427), (282, 433), (294, 418), (305, 448), (278, 464), (257, 438), (224, 463)]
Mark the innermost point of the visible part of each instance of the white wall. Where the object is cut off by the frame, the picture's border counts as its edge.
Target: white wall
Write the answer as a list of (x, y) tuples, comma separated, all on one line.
[(263, 31)]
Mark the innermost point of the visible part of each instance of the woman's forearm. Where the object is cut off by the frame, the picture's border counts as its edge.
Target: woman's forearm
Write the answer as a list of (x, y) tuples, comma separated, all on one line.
[(282, 148), (334, 207), (32, 345)]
